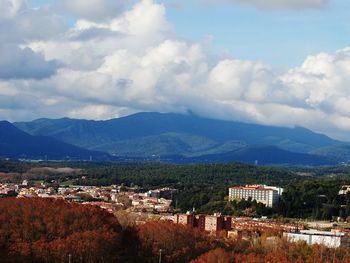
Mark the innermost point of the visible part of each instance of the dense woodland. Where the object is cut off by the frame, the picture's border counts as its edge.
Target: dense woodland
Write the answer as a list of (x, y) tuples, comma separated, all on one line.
[(309, 192), (44, 230)]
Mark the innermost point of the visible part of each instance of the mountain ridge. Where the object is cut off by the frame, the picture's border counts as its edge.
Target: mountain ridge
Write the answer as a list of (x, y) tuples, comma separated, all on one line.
[(149, 134), (157, 123), (15, 143)]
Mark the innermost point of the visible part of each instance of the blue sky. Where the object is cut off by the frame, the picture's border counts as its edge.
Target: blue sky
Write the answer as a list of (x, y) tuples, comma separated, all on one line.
[(278, 37), (273, 62)]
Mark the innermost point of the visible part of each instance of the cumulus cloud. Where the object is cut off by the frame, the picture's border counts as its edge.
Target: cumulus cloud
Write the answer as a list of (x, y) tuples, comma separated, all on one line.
[(17, 63), (18, 26), (283, 4), (135, 62), (19, 23), (93, 9)]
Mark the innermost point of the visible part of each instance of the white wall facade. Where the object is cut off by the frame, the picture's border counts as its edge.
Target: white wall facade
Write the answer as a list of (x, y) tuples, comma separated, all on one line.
[(267, 195), (329, 239)]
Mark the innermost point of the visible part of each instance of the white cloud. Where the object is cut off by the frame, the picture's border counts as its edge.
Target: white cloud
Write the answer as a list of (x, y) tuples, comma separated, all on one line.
[(244, 80), (19, 23), (98, 112), (8, 89), (17, 63), (10, 8), (18, 26), (93, 9), (135, 62), (283, 4)]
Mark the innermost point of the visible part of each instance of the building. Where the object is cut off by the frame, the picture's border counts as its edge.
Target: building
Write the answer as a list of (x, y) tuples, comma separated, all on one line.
[(210, 223), (344, 190), (153, 193), (242, 234), (263, 225), (267, 195), (213, 223), (186, 219), (332, 239), (165, 192)]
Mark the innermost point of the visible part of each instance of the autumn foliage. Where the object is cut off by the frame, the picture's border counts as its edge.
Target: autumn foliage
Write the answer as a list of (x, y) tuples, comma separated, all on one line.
[(215, 255), (179, 243), (48, 230), (281, 252)]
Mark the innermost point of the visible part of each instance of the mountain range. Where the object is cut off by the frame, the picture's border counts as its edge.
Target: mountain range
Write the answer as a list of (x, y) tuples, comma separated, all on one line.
[(189, 138), (17, 144)]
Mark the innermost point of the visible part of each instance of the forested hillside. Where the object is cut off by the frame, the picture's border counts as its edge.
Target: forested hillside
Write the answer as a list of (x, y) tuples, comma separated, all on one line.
[(309, 192)]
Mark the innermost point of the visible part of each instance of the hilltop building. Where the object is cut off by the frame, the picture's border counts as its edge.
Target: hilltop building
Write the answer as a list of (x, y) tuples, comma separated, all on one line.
[(265, 194), (344, 190)]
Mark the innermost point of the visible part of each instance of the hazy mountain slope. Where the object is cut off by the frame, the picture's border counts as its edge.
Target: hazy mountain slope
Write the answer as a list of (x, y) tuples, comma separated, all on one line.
[(339, 152), (15, 143), (265, 155), (161, 144)]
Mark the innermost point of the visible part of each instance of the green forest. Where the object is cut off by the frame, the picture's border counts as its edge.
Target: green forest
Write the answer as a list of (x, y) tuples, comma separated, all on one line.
[(309, 192)]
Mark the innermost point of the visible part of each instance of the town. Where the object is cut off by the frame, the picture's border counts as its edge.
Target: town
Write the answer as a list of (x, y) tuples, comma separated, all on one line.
[(112, 197), (157, 204)]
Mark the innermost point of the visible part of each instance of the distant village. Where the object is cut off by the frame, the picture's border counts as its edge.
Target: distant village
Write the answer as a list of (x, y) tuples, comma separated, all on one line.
[(112, 198), (159, 202)]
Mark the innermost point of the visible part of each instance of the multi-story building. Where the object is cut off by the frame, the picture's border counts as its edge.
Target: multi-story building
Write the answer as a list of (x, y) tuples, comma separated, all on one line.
[(265, 194), (213, 223), (186, 219), (210, 223), (344, 190)]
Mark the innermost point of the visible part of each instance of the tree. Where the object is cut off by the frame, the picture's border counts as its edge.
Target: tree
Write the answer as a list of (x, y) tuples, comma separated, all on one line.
[(47, 230)]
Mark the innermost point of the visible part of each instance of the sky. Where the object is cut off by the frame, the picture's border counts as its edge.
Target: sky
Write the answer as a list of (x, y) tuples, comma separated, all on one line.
[(272, 62)]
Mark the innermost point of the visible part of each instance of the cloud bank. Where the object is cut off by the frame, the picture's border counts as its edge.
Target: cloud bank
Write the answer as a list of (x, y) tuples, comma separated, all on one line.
[(100, 69)]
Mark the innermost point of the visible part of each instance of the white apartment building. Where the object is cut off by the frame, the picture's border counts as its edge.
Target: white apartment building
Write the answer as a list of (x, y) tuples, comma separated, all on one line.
[(344, 190), (265, 194)]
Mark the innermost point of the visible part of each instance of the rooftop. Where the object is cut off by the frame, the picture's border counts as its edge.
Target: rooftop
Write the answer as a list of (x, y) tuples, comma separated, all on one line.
[(254, 187)]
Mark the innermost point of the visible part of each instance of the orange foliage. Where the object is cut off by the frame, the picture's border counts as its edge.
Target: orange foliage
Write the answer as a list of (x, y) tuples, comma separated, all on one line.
[(48, 230), (283, 252), (179, 243), (217, 255)]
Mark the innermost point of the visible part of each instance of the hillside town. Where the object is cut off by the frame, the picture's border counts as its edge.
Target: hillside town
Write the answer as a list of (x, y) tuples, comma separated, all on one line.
[(112, 197), (155, 205)]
